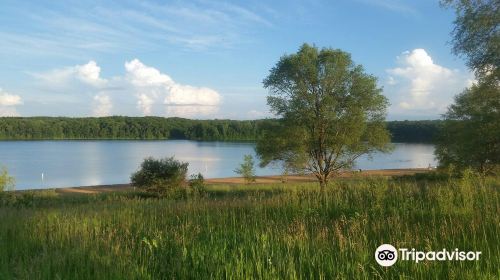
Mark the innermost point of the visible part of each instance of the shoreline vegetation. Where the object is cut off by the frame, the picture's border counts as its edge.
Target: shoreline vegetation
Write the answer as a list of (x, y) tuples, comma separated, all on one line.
[(159, 128), (255, 231), (235, 181)]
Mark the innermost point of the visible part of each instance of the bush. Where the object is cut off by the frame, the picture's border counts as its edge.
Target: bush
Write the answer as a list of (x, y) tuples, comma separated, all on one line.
[(161, 176), (247, 169), (7, 182), (197, 184)]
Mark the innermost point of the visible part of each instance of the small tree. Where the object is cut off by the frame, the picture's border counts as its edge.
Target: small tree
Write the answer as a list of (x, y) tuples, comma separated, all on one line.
[(7, 182), (197, 184), (160, 176), (247, 169)]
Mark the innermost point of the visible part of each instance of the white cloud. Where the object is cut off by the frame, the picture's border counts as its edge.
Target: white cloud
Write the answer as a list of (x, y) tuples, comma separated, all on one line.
[(7, 99), (142, 76), (190, 111), (420, 85), (83, 82), (8, 102), (150, 85), (143, 85), (391, 81), (145, 103), (88, 74), (110, 27), (189, 95), (103, 105), (8, 112)]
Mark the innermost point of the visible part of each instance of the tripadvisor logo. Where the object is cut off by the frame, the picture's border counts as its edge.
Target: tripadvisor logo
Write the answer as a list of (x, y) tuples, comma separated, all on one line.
[(387, 255)]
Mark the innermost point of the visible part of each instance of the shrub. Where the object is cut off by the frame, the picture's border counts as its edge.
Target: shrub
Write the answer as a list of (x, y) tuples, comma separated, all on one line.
[(6, 182), (247, 169), (197, 184), (160, 176), (25, 199)]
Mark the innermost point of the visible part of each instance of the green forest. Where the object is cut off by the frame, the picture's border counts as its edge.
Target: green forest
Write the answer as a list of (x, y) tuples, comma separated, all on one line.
[(153, 128)]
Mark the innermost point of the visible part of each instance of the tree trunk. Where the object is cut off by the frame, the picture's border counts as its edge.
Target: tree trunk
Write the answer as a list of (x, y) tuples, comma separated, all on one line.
[(322, 183)]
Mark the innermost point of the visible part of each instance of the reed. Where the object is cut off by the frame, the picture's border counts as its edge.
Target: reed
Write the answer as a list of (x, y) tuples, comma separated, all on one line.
[(255, 232)]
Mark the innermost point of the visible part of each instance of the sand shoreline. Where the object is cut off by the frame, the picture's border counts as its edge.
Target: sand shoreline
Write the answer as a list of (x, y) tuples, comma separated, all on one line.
[(239, 180)]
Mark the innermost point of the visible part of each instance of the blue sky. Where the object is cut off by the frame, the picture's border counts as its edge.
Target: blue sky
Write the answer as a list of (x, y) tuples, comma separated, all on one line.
[(207, 59)]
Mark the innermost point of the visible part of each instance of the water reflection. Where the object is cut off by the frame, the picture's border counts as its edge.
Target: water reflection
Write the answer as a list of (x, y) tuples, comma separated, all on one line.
[(80, 163), (403, 156)]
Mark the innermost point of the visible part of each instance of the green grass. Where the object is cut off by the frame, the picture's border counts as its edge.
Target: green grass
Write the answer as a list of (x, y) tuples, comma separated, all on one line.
[(252, 232)]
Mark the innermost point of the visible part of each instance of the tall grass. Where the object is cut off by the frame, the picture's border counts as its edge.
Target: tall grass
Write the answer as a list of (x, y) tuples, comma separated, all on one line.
[(251, 232)]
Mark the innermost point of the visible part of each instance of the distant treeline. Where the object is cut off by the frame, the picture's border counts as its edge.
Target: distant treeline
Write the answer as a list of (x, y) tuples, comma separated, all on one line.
[(150, 128), (414, 131)]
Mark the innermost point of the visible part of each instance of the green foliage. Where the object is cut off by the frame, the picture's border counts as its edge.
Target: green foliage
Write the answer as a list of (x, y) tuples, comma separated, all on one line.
[(331, 112), (477, 34), (18, 200), (277, 231), (149, 128), (471, 133), (18, 128), (161, 176), (414, 131), (7, 183), (470, 137), (197, 184), (247, 169)]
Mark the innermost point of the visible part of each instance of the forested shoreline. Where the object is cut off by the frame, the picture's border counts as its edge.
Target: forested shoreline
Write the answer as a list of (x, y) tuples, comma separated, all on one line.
[(159, 128)]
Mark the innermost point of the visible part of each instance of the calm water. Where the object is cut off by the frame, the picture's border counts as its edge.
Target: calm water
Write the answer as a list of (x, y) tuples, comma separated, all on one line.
[(83, 163)]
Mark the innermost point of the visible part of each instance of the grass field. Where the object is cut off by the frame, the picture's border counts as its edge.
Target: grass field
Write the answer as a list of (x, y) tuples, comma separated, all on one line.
[(280, 231)]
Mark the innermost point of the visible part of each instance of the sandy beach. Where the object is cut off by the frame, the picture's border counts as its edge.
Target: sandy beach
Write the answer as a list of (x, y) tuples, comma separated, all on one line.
[(239, 180)]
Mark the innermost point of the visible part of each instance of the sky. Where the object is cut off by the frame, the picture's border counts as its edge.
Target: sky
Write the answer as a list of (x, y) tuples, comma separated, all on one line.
[(207, 59)]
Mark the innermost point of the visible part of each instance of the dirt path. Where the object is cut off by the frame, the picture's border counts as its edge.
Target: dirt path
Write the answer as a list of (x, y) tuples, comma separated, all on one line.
[(239, 180)]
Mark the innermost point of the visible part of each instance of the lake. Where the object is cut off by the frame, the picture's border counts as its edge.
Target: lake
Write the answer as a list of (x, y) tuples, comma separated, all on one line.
[(84, 163)]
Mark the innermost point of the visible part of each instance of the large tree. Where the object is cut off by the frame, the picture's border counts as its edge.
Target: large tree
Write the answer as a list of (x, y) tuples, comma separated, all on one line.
[(476, 35), (471, 133), (331, 112)]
